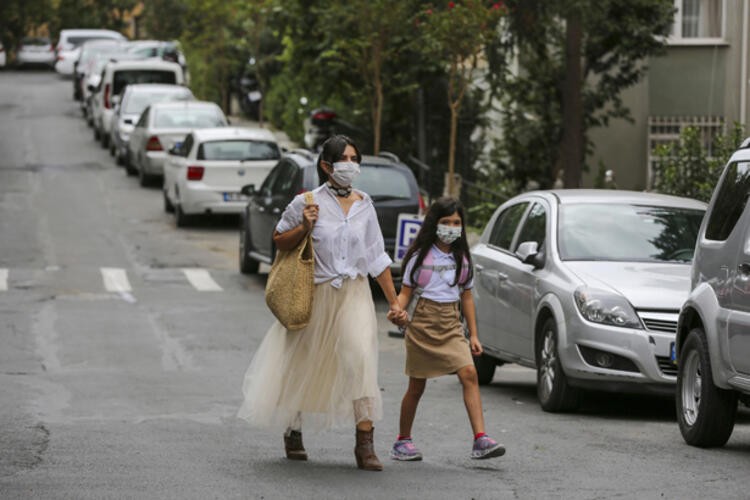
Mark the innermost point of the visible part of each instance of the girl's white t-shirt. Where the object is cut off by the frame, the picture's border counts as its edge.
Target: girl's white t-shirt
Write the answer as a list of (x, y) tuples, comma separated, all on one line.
[(439, 287), (345, 246)]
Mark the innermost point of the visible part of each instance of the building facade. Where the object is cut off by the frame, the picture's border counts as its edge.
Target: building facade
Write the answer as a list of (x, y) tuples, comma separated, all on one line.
[(701, 81)]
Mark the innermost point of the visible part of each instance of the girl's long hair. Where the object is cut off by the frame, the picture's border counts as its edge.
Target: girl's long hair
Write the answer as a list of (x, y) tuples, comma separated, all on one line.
[(427, 236)]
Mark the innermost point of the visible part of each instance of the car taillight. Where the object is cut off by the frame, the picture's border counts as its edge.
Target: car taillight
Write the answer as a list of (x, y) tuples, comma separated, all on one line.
[(324, 115), (422, 206), (106, 101), (153, 144), (195, 173)]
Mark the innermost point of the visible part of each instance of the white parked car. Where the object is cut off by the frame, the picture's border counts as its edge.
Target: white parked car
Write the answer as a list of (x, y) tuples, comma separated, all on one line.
[(205, 173), (135, 99), (117, 75), (69, 46), (35, 51), (160, 126)]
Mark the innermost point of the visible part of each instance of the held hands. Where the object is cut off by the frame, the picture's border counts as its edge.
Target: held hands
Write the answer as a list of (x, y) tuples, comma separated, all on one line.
[(309, 216), (397, 315)]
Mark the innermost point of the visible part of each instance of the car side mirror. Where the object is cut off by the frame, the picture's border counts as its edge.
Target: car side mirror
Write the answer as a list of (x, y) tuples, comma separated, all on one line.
[(248, 190), (91, 88), (528, 253), (175, 149)]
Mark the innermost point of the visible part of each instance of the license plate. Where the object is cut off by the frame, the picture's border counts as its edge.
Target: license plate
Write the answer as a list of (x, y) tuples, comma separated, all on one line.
[(234, 197), (672, 353)]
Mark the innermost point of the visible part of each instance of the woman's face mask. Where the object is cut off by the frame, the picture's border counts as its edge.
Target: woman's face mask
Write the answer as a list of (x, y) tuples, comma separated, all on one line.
[(344, 172), (448, 234)]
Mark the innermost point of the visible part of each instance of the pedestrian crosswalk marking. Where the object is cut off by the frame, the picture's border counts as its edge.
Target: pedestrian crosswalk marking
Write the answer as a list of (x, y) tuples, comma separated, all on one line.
[(201, 280), (3, 280), (115, 280)]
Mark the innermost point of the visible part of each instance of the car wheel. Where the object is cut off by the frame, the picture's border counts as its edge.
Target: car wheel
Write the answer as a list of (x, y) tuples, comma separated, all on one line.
[(247, 265), (705, 412), (96, 133), (485, 366), (143, 178), (553, 390), (181, 219), (104, 140), (168, 207), (112, 148), (129, 168)]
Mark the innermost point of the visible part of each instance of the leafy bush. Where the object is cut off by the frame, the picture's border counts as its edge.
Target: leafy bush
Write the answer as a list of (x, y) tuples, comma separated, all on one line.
[(691, 168)]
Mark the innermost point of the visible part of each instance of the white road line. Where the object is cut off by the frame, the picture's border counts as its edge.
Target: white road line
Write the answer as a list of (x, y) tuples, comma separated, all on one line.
[(3, 280), (201, 280), (115, 280)]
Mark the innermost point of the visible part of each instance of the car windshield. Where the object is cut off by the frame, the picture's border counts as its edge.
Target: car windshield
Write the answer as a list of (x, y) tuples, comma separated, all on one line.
[(37, 42), (238, 150), (138, 101), (126, 77), (189, 118), (382, 182), (623, 232), (77, 41)]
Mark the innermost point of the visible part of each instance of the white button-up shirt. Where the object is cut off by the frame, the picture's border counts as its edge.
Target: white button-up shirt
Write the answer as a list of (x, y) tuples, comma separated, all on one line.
[(345, 246)]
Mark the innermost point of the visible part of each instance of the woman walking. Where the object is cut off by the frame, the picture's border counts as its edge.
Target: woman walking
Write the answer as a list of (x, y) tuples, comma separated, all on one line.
[(325, 375), (438, 277)]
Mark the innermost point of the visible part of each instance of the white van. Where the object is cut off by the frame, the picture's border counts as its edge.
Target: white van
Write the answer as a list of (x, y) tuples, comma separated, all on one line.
[(69, 46), (117, 75)]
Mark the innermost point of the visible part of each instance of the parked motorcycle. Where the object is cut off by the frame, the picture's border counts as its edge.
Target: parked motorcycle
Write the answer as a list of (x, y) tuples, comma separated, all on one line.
[(320, 124)]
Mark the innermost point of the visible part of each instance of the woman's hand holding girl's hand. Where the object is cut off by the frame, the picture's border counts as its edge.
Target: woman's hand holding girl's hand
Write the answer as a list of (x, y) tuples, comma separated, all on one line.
[(397, 315), (476, 346), (309, 216)]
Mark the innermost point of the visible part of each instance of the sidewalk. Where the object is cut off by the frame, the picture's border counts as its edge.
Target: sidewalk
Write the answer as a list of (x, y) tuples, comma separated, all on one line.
[(281, 137)]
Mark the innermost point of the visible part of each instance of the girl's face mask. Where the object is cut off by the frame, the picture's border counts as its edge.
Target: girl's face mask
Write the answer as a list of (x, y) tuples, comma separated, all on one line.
[(344, 173), (448, 234)]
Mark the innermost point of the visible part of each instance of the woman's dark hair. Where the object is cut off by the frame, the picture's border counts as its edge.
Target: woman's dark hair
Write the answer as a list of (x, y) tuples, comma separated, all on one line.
[(426, 237), (331, 152)]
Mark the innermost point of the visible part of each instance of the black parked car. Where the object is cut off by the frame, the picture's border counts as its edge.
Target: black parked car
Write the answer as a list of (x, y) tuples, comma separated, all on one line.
[(390, 184)]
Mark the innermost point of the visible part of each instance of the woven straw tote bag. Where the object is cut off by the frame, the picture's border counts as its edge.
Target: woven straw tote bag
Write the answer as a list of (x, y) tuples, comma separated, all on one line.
[(289, 289)]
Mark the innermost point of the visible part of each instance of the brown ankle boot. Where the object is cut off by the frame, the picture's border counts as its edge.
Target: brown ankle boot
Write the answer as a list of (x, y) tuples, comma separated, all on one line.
[(295, 450), (364, 452)]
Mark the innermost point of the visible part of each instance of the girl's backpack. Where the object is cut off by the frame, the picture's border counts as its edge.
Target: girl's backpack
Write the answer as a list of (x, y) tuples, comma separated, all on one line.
[(424, 274)]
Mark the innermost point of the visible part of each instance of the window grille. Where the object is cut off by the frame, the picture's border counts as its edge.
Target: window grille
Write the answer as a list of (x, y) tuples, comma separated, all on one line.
[(665, 130)]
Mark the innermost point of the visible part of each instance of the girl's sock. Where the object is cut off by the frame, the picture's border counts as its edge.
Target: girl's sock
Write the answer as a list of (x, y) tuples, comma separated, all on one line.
[(478, 435), (401, 438)]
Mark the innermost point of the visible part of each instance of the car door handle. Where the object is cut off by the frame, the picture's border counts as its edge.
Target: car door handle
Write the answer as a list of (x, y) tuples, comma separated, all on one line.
[(744, 268), (276, 210), (479, 267), (502, 276)]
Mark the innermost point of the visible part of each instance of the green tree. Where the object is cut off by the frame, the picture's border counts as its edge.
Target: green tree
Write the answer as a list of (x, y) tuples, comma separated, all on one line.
[(19, 17), (576, 58), (690, 167), (455, 36), (210, 38), (369, 34), (164, 19)]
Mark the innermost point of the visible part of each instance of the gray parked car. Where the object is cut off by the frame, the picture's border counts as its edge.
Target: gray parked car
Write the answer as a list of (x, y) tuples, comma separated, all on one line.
[(713, 338), (585, 286), (136, 98)]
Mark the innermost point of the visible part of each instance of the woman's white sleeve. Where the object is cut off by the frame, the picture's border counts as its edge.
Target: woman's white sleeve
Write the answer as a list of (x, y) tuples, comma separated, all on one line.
[(376, 257), (292, 216), (406, 274)]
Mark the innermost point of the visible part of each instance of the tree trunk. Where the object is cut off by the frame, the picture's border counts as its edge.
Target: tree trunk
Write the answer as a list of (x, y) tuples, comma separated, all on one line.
[(571, 145), (378, 116), (452, 150)]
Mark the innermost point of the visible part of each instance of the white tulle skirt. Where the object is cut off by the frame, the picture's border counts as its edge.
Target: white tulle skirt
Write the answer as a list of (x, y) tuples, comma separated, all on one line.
[(322, 376)]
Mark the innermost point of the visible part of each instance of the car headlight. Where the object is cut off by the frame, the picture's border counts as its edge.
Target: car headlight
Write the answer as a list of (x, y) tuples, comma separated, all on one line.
[(599, 306)]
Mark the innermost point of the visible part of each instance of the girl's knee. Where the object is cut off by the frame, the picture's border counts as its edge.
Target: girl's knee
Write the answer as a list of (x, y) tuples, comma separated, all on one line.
[(468, 375)]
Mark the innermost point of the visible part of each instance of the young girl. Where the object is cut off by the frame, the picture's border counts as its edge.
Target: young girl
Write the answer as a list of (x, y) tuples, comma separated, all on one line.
[(438, 276)]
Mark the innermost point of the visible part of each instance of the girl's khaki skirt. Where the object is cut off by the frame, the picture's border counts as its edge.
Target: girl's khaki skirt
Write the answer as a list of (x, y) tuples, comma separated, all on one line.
[(435, 341), (324, 375)]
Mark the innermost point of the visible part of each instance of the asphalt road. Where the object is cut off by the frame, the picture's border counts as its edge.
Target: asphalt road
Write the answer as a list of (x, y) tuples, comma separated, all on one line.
[(123, 343)]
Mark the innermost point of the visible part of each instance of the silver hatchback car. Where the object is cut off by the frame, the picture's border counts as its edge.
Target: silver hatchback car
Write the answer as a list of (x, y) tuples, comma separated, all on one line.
[(713, 337), (585, 286)]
